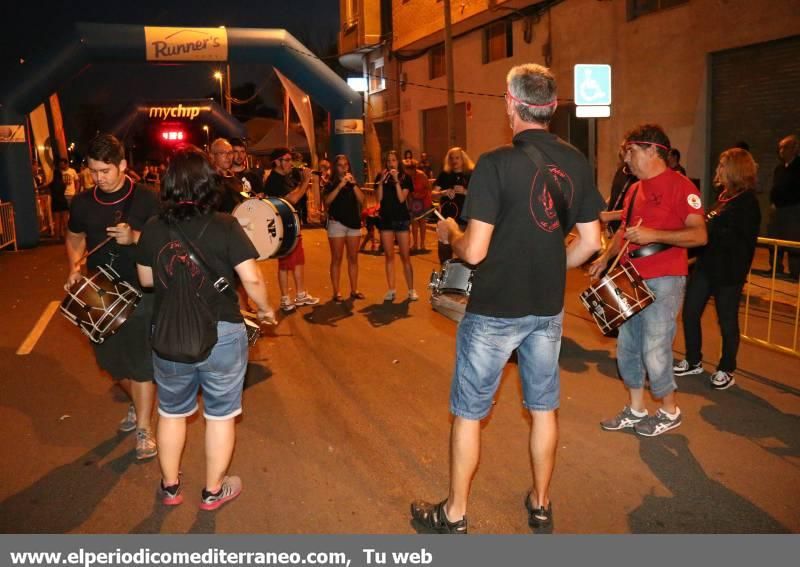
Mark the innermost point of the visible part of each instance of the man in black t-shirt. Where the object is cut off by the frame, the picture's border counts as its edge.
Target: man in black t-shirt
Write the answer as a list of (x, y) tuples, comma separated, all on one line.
[(785, 200), (281, 183), (118, 208), (231, 187), (252, 179), (515, 234)]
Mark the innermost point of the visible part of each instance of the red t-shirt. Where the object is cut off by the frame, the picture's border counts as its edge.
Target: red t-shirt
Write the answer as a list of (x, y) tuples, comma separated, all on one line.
[(662, 202), (422, 189)]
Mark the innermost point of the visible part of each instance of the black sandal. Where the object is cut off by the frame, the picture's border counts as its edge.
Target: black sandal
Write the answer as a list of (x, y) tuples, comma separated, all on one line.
[(337, 299), (540, 517), (356, 295), (432, 517)]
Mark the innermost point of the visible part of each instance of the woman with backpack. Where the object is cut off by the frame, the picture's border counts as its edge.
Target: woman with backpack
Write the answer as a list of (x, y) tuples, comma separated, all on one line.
[(191, 254)]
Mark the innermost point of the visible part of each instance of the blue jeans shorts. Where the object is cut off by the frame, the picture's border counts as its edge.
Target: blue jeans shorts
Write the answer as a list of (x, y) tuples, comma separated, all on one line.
[(395, 226), (644, 345), (483, 347), (221, 377)]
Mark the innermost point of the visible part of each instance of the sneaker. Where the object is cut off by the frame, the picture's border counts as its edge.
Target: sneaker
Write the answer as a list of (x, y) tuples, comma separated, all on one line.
[(287, 306), (145, 444), (230, 489), (684, 368), (722, 380), (413, 295), (433, 519), (305, 299), (624, 419), (540, 517), (170, 495), (129, 422), (389, 295), (657, 424)]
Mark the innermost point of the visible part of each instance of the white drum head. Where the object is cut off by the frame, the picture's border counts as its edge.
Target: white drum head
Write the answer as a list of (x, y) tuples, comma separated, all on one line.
[(262, 224)]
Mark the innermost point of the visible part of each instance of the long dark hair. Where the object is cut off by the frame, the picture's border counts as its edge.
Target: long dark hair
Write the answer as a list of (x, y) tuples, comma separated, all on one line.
[(190, 186), (335, 179), (400, 170)]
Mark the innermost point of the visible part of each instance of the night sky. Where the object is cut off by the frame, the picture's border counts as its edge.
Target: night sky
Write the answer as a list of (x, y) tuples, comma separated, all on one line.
[(28, 28)]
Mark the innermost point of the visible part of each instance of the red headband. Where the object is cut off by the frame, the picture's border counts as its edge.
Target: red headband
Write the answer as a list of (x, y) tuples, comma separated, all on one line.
[(629, 142), (529, 105)]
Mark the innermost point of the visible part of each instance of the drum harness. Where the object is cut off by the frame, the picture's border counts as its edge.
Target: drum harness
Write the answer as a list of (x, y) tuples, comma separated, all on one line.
[(649, 249)]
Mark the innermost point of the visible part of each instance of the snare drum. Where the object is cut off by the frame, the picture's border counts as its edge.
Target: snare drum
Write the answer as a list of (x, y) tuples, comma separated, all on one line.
[(100, 304), (272, 224), (618, 296), (455, 277)]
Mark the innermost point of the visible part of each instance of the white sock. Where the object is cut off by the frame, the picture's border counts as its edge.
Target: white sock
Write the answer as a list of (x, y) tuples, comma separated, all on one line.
[(639, 413), (672, 416)]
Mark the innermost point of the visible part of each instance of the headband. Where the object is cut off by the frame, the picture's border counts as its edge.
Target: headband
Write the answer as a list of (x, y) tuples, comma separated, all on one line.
[(529, 105), (629, 142)]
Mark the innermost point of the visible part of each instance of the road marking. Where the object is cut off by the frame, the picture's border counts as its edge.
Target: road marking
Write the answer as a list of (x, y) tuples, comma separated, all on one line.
[(38, 329)]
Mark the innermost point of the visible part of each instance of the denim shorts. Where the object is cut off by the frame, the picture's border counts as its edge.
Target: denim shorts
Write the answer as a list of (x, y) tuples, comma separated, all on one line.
[(339, 230), (484, 345), (395, 226), (220, 376), (644, 345)]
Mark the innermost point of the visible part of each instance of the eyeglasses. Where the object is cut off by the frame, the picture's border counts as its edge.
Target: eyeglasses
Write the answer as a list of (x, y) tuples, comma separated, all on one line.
[(284, 159)]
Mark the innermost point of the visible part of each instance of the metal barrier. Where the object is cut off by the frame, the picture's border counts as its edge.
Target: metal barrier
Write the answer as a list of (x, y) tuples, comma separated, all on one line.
[(770, 341), (8, 230), (44, 212)]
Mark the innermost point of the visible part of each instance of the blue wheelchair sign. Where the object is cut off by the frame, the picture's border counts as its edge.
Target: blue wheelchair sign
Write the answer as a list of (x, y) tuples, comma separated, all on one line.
[(592, 85)]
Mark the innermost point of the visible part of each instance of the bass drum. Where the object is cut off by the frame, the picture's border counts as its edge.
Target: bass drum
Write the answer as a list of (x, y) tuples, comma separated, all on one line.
[(272, 224)]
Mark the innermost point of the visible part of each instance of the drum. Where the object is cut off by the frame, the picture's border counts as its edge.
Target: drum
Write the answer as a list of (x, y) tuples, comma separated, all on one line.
[(100, 304), (618, 296), (455, 277), (272, 224)]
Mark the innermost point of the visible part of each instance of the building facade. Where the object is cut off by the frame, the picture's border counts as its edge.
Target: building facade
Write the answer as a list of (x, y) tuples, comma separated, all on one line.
[(711, 72)]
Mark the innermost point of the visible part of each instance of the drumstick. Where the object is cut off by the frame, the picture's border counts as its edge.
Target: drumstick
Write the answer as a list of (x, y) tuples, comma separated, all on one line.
[(93, 250), (424, 214), (622, 251)]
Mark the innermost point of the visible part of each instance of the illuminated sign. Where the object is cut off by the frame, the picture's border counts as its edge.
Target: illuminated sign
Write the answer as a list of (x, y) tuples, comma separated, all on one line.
[(186, 44), (172, 135), (348, 126), (12, 133), (180, 111)]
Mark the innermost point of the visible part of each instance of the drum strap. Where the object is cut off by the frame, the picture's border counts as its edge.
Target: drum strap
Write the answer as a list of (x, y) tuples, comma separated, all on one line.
[(220, 283), (559, 201), (650, 249)]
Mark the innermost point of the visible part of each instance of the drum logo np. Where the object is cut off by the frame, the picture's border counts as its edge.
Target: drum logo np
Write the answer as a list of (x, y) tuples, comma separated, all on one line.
[(542, 207)]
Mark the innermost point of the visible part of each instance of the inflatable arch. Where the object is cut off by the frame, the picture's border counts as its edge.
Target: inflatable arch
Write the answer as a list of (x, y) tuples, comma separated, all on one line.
[(34, 81)]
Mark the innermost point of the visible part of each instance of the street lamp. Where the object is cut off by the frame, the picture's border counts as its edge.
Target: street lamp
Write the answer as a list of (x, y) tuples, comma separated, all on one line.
[(218, 76)]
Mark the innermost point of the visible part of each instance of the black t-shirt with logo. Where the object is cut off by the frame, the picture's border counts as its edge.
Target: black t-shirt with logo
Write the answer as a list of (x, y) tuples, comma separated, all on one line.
[(524, 271), (223, 245), (452, 208), (252, 180), (344, 208), (392, 210), (94, 211)]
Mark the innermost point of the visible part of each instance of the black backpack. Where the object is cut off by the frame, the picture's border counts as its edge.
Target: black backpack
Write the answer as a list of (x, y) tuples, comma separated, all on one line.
[(185, 326)]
